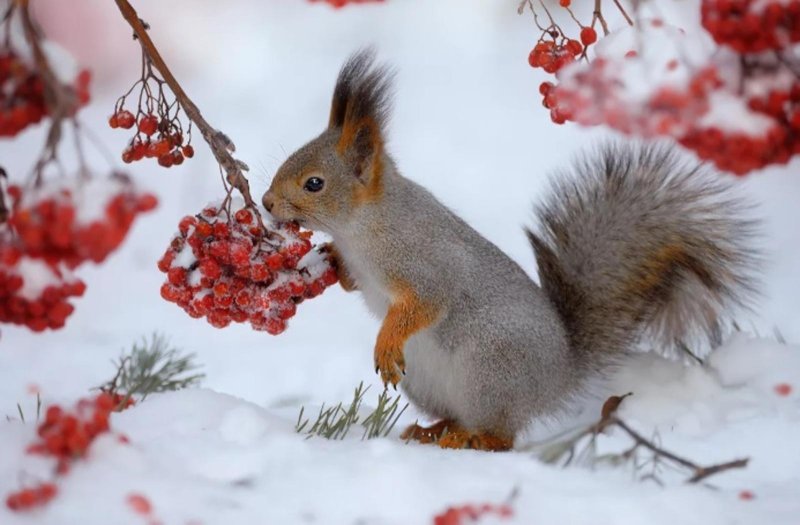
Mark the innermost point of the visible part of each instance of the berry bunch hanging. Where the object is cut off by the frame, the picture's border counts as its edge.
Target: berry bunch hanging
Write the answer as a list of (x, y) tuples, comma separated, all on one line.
[(56, 220), (22, 93), (54, 227), (159, 132), (752, 26), (226, 266), (75, 221), (737, 105), (33, 293)]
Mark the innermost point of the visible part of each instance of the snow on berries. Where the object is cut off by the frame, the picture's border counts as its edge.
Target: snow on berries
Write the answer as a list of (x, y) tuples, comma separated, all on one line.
[(222, 266), (22, 93), (34, 293), (65, 436), (74, 221), (752, 26), (53, 228), (733, 105)]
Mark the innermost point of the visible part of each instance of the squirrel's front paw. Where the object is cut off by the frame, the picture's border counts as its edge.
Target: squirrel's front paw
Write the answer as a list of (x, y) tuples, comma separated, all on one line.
[(390, 362), (345, 279)]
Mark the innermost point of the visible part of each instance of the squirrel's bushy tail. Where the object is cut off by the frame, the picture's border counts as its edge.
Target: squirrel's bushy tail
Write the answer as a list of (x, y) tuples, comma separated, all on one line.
[(635, 242)]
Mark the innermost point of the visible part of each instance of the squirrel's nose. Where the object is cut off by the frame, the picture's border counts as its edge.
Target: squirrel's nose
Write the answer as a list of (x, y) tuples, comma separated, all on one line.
[(268, 200)]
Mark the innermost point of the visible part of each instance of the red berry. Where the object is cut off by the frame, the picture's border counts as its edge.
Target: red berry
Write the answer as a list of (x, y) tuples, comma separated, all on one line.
[(588, 36), (125, 119), (148, 124)]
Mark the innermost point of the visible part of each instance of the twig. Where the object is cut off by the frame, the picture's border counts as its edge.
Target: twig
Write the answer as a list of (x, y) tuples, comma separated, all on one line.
[(597, 14), (624, 14), (221, 146), (609, 419), (59, 98)]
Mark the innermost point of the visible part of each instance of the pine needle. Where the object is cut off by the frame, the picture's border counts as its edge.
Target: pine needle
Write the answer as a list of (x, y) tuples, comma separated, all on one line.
[(335, 422), (152, 366)]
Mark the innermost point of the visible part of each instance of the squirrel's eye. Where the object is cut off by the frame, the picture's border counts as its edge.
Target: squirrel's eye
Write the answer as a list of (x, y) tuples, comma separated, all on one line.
[(314, 184)]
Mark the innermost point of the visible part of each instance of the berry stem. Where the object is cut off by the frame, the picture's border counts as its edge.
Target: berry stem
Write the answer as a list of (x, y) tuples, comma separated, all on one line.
[(624, 14), (598, 15), (221, 146), (59, 99)]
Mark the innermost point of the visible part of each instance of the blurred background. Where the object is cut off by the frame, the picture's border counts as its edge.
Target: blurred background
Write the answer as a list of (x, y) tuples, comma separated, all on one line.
[(467, 124)]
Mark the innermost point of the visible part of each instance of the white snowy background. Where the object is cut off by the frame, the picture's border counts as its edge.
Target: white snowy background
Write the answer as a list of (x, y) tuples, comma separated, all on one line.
[(467, 124)]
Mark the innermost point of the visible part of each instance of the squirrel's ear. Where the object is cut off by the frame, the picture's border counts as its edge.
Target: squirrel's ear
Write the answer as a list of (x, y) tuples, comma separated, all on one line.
[(360, 108)]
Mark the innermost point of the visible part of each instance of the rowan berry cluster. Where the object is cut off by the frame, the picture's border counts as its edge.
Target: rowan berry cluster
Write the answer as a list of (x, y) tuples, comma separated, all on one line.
[(736, 106), (472, 513), (75, 223), (66, 435), (223, 266), (33, 293), (159, 131), (52, 229), (22, 93), (156, 137), (752, 26)]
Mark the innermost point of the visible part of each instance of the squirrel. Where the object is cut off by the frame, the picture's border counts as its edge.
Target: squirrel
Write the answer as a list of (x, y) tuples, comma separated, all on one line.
[(632, 243)]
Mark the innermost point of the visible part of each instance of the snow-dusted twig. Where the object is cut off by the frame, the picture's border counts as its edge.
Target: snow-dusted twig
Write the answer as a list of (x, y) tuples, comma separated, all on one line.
[(567, 446), (221, 146)]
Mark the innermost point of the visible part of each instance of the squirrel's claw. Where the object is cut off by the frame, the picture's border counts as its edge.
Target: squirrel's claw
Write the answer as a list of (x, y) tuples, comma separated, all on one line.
[(390, 363)]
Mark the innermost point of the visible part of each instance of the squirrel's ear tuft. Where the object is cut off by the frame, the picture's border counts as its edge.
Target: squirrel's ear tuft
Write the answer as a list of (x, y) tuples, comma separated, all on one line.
[(361, 103)]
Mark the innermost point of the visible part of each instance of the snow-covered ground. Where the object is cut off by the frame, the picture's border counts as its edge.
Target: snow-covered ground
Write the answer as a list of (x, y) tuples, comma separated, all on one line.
[(468, 124)]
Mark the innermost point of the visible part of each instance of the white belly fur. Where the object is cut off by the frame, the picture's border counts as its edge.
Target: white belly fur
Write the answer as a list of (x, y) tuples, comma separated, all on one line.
[(431, 373)]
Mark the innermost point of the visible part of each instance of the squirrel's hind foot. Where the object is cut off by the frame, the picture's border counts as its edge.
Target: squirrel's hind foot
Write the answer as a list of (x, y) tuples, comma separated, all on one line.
[(461, 438), (430, 434)]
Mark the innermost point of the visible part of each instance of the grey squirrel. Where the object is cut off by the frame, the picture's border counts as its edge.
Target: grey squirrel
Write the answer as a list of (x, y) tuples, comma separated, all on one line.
[(631, 243)]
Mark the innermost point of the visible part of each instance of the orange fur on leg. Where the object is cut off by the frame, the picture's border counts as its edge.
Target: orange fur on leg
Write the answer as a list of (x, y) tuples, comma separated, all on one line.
[(476, 440), (429, 434), (407, 315)]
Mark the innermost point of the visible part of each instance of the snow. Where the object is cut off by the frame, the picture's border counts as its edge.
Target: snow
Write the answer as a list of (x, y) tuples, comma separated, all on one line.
[(36, 276), (468, 125)]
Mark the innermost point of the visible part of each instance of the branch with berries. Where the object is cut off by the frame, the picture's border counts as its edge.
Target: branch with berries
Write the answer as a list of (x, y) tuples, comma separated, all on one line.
[(59, 218), (736, 104), (221, 146)]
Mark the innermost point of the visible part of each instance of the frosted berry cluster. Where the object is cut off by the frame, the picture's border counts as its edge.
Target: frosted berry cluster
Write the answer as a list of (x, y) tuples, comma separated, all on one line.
[(53, 228), (22, 93), (66, 435), (752, 26), (741, 112), (338, 4), (77, 221), (227, 269), (157, 137), (465, 514), (35, 294)]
